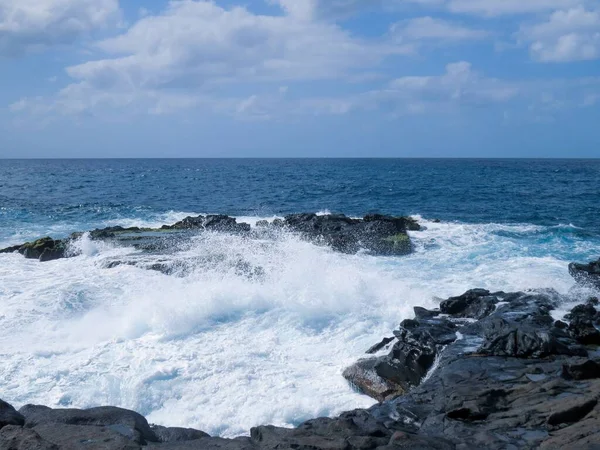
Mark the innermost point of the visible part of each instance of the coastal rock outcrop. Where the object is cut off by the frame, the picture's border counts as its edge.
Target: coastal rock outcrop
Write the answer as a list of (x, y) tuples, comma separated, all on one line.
[(44, 249), (376, 234)]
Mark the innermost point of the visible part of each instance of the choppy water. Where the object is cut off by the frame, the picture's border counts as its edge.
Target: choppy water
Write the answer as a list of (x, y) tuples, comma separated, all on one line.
[(220, 351)]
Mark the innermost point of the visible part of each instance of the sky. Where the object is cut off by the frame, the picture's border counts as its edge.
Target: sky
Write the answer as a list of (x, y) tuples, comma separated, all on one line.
[(299, 78)]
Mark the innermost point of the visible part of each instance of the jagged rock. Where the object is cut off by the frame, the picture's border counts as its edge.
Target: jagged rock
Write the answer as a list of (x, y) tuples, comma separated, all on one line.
[(377, 234), (506, 338), (422, 313), (586, 273), (9, 416), (375, 348), (128, 423), (474, 304), (211, 222), (363, 375), (410, 358), (175, 434), (17, 438)]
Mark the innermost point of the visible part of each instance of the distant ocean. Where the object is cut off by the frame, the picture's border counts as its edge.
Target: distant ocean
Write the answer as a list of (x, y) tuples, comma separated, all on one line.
[(222, 352)]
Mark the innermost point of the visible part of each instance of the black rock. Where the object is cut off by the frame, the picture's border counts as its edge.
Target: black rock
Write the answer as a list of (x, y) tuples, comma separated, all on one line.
[(17, 438), (74, 437), (175, 434), (585, 371), (379, 346), (377, 234), (518, 340), (474, 304), (9, 416), (127, 423)]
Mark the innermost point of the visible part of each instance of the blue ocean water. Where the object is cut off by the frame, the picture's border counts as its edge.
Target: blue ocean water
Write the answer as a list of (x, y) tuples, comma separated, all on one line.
[(90, 192), (214, 349)]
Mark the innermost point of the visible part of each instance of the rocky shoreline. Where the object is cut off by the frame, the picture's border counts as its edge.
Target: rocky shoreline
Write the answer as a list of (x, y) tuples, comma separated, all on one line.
[(489, 370), (485, 370)]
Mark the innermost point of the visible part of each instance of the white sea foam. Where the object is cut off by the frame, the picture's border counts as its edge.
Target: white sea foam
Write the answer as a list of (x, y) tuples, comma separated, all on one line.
[(254, 331)]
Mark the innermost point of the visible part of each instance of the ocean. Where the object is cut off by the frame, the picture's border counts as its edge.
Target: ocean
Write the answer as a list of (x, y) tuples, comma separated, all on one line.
[(214, 349)]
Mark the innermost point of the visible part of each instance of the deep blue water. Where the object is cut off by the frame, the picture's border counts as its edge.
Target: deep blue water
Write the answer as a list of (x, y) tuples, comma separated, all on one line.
[(541, 192)]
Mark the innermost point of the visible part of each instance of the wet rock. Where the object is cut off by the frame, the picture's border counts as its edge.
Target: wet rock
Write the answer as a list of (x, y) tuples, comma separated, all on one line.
[(175, 434), (17, 438), (12, 249), (374, 349), (377, 234), (507, 338), (211, 222), (45, 249), (128, 423), (586, 273), (585, 371), (9, 416), (409, 360), (474, 304), (422, 313)]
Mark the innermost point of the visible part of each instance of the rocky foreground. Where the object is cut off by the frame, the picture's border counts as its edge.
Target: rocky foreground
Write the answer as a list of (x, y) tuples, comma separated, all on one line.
[(487, 370), (376, 234)]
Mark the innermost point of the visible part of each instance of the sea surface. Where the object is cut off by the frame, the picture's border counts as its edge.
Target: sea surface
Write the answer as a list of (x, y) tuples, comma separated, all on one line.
[(217, 350)]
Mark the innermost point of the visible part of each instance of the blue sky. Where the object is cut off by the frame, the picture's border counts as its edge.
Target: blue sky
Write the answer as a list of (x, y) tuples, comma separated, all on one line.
[(397, 78)]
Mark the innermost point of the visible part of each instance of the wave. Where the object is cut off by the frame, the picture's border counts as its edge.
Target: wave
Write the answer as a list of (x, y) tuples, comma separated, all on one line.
[(248, 331)]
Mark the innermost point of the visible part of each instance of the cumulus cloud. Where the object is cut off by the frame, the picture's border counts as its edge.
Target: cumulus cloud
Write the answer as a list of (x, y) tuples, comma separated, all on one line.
[(37, 24), (199, 45), (569, 35)]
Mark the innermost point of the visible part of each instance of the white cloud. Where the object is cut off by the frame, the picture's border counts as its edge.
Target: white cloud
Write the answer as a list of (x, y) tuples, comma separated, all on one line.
[(429, 28), (37, 24), (197, 47), (459, 85), (569, 35)]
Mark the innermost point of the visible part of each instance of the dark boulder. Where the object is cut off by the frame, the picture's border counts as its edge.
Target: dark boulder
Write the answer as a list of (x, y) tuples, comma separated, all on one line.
[(128, 423), (586, 273), (474, 304), (9, 416), (176, 434), (410, 358), (585, 371), (44, 249)]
